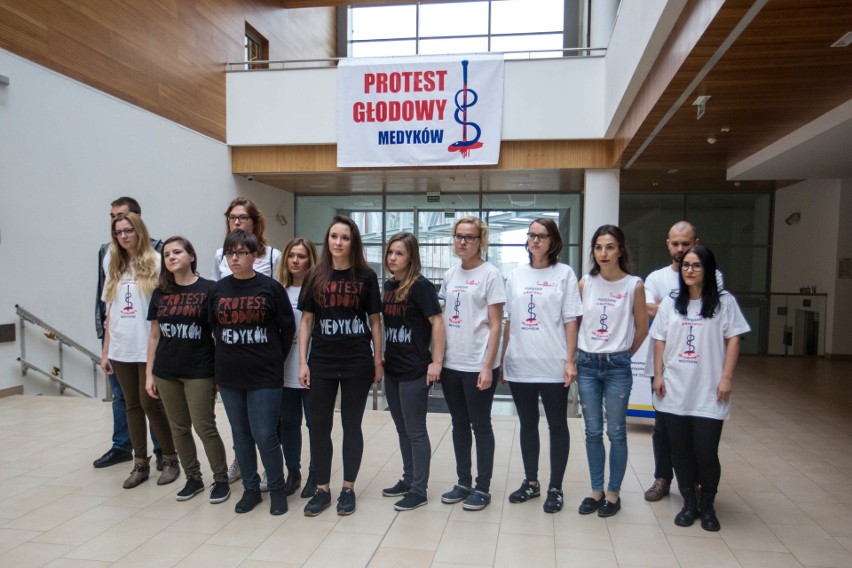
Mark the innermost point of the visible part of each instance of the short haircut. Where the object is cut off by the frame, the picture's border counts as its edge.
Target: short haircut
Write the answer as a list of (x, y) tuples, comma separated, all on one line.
[(554, 242), (237, 238), (132, 205), (480, 226)]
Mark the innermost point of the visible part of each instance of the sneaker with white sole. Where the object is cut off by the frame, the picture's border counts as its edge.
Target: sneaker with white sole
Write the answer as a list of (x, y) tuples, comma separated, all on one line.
[(192, 488), (409, 502), (525, 492), (219, 492), (398, 490), (234, 471), (554, 501)]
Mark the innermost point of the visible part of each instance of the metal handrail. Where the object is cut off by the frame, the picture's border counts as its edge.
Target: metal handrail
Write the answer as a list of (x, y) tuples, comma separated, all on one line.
[(56, 374)]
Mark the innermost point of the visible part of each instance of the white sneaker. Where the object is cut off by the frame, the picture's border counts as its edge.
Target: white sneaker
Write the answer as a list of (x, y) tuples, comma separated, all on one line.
[(264, 485), (234, 472)]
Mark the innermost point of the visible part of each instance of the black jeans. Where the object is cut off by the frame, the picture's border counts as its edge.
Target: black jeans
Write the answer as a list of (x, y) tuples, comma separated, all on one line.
[(662, 448), (353, 401), (408, 402), (554, 398), (293, 400), (695, 450), (470, 408)]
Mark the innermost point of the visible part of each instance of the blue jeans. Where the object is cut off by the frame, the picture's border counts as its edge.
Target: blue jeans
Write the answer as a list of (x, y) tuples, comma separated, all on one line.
[(605, 379), (408, 402), (120, 431), (293, 402), (253, 414)]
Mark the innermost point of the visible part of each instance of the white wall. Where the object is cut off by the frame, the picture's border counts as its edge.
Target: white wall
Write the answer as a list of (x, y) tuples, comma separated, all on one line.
[(66, 151)]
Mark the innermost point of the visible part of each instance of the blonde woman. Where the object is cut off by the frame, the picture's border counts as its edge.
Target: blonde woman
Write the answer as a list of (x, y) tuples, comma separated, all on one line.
[(132, 269)]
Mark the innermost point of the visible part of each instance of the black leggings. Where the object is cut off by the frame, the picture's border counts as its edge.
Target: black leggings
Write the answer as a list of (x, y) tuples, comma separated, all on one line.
[(554, 398), (695, 450), (353, 401)]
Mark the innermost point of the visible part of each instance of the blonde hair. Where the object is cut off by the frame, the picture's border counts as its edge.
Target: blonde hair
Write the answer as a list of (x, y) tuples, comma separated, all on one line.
[(145, 264), (284, 276), (409, 241), (481, 226)]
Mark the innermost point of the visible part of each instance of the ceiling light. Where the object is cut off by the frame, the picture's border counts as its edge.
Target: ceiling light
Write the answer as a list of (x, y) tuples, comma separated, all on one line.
[(711, 139), (844, 40), (725, 129), (672, 171)]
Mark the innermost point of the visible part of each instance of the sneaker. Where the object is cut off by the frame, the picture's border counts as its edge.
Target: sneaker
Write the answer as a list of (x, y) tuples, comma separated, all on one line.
[(219, 492), (249, 500), (318, 503), (234, 471), (658, 490), (310, 486), (279, 502), (192, 488), (525, 492), (264, 484), (554, 501), (398, 490), (409, 502), (346, 502), (477, 501), (459, 493)]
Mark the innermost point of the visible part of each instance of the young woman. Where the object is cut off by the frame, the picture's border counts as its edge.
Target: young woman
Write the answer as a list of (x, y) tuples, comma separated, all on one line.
[(412, 317), (614, 324), (299, 256), (243, 214), (539, 354), (698, 341), (473, 294), (180, 366), (253, 325), (131, 267), (341, 321)]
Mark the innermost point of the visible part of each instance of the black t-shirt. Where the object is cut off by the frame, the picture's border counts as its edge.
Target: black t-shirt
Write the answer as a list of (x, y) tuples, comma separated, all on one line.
[(185, 349), (341, 337), (408, 332), (254, 326)]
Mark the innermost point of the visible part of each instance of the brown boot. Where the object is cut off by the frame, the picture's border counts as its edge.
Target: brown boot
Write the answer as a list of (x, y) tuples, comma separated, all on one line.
[(171, 469), (141, 469)]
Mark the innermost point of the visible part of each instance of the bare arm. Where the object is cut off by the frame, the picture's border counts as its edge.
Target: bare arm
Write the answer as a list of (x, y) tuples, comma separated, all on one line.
[(378, 362), (652, 308), (305, 328), (495, 317), (439, 343), (105, 364), (571, 329), (153, 340), (505, 347), (659, 381), (732, 353), (640, 317)]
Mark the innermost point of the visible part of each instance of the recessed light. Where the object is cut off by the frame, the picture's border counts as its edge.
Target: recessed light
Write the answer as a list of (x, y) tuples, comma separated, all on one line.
[(655, 184), (725, 129), (672, 171), (711, 139), (844, 40)]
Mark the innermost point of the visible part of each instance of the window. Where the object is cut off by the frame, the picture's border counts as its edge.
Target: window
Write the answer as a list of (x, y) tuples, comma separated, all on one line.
[(256, 48)]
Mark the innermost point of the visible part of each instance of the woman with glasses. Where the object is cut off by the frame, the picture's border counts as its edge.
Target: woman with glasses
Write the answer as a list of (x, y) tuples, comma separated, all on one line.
[(253, 326), (132, 271), (243, 214), (697, 333), (614, 324), (539, 353), (473, 294), (342, 322)]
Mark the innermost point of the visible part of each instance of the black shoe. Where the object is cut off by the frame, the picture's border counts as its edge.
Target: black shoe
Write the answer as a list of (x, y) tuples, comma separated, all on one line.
[(310, 486), (525, 492), (318, 503), (294, 481), (709, 522), (249, 501), (608, 508), (477, 500), (112, 457), (279, 502), (409, 502), (219, 492), (159, 455), (346, 502), (554, 501), (590, 505), (192, 488), (458, 493), (689, 512), (398, 490)]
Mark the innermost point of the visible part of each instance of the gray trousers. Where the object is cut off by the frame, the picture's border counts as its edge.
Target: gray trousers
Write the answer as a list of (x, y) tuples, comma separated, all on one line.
[(408, 402)]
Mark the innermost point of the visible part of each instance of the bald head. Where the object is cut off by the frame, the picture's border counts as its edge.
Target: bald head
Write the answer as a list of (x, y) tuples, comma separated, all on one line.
[(682, 237)]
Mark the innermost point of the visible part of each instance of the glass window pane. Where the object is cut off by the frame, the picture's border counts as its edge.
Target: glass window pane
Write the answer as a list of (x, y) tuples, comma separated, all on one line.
[(518, 16), (747, 218), (743, 268), (383, 49), (436, 260), (382, 22), (453, 19), (454, 45), (314, 213), (507, 257), (646, 218), (529, 43)]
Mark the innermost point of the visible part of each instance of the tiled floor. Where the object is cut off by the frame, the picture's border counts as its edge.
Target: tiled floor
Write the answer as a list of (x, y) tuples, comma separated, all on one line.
[(785, 499)]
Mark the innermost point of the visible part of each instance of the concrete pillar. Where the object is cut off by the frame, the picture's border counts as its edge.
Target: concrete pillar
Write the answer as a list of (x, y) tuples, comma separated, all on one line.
[(600, 206), (602, 21)]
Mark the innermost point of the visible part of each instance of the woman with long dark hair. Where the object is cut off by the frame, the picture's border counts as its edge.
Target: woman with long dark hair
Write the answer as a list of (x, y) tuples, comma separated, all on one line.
[(697, 336), (341, 321), (614, 324), (413, 322), (539, 355), (181, 366)]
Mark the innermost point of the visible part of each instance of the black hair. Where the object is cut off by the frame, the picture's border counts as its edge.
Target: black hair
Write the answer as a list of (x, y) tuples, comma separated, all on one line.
[(554, 242), (618, 235), (239, 237), (132, 205), (709, 289)]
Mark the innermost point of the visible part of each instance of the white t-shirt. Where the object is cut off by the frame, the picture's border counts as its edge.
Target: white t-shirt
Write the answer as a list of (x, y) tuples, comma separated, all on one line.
[(694, 357), (540, 301), (266, 264), (291, 364), (467, 295), (129, 327), (666, 281), (607, 325)]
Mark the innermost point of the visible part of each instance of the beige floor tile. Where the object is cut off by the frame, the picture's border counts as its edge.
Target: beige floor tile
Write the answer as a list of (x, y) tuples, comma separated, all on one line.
[(493, 513), (695, 552), (167, 507), (86, 526), (524, 550), (250, 529), (634, 511), (76, 563), (264, 564), (30, 500), (55, 513), (12, 538), (119, 540), (344, 550), (386, 557), (420, 529), (208, 555), (295, 540), (776, 508), (372, 516), (468, 543), (526, 518), (33, 554), (163, 550), (576, 531), (745, 531), (641, 545), (834, 518), (800, 488), (812, 546), (573, 557), (763, 559), (844, 542)]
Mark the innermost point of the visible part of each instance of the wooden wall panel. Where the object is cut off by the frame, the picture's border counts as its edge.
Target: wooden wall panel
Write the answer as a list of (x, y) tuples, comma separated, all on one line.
[(166, 56)]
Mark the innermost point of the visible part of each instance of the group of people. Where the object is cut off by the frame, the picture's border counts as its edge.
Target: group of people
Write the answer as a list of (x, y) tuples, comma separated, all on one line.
[(281, 335)]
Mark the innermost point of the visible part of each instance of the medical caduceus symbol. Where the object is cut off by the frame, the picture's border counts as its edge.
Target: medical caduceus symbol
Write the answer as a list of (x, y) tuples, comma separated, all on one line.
[(468, 99), (531, 320), (456, 318), (128, 305)]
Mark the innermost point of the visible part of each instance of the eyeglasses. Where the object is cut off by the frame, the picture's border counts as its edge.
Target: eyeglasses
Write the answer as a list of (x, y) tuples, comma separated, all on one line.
[(466, 238), (123, 233), (240, 218), (237, 253), (538, 237), (694, 266)]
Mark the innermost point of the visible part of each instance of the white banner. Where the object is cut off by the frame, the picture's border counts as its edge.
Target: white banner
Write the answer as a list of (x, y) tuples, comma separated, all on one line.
[(419, 111)]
